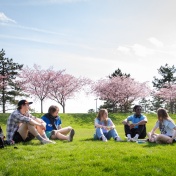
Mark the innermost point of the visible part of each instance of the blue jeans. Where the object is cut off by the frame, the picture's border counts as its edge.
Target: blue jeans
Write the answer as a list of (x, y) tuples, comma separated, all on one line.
[(111, 133)]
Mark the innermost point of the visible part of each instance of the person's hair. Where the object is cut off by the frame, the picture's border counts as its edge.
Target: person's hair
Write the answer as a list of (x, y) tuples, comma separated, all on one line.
[(162, 113), (135, 107), (52, 109), (101, 113), (19, 107)]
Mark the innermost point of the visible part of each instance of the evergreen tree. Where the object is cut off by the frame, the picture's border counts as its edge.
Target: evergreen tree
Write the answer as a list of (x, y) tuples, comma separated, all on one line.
[(118, 72), (9, 87), (109, 105), (167, 74), (167, 79)]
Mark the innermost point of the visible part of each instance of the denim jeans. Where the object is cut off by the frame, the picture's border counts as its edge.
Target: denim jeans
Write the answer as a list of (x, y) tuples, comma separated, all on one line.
[(111, 133)]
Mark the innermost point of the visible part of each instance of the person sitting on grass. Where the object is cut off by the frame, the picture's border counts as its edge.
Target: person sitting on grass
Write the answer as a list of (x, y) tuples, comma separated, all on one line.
[(53, 126), (105, 128), (136, 129), (23, 127), (166, 126)]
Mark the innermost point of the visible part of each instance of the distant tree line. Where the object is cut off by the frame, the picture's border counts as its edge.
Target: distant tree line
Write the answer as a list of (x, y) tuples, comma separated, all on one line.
[(118, 91)]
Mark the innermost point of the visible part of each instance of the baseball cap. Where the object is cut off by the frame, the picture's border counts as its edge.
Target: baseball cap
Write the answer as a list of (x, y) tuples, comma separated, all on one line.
[(23, 102)]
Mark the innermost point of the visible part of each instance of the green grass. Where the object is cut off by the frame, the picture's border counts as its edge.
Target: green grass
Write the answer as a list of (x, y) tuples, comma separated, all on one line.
[(84, 156)]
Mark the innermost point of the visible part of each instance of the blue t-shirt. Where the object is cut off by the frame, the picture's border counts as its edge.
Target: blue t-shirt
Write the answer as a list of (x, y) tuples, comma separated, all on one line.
[(49, 126), (135, 119)]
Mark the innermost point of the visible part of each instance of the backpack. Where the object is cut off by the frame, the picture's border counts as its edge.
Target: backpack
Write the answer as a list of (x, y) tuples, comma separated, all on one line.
[(4, 142), (1, 138)]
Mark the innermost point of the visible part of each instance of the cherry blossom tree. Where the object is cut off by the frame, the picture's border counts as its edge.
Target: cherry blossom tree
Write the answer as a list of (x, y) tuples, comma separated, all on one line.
[(120, 90), (168, 93), (65, 87), (37, 82)]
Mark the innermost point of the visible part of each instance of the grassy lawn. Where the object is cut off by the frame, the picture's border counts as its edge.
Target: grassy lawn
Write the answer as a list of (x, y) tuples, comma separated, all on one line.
[(84, 156)]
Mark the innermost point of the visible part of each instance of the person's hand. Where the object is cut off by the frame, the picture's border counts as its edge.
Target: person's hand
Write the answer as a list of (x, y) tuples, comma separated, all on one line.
[(132, 126), (43, 125)]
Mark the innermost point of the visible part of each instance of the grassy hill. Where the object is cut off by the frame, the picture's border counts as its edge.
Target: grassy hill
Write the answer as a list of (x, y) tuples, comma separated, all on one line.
[(84, 156)]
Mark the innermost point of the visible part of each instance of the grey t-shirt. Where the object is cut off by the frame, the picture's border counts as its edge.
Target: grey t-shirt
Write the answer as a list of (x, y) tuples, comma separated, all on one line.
[(167, 127)]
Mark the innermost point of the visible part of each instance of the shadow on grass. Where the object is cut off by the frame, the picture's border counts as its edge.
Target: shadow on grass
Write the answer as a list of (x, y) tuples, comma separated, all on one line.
[(88, 139), (150, 144)]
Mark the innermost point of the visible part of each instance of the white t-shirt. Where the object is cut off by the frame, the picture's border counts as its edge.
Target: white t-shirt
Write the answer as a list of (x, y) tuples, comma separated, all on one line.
[(167, 127)]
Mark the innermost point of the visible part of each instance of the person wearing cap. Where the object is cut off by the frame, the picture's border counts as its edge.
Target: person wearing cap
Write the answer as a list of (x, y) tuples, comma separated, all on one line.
[(137, 128), (54, 129), (23, 127)]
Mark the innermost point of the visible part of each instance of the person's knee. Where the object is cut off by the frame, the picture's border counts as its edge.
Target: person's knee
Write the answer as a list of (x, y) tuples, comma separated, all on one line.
[(69, 128)]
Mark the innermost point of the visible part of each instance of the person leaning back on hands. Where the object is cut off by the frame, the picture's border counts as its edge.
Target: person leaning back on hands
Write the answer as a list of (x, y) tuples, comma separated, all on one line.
[(23, 127), (135, 125)]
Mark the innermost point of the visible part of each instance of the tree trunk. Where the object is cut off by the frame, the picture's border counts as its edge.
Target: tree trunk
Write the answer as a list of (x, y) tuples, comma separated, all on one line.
[(3, 98), (41, 106), (63, 107), (171, 107)]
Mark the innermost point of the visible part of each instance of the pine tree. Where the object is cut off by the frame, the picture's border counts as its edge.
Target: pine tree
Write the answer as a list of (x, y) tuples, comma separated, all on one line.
[(9, 87)]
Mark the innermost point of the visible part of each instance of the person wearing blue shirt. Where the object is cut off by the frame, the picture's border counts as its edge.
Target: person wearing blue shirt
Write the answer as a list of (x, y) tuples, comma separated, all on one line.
[(53, 126), (105, 128), (135, 125)]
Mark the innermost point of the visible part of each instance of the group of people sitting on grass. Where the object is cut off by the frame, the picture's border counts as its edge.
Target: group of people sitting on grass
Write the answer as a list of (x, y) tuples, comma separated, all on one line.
[(23, 127)]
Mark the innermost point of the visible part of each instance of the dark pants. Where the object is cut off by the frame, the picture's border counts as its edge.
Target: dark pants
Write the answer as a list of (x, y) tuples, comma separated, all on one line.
[(17, 137), (141, 131)]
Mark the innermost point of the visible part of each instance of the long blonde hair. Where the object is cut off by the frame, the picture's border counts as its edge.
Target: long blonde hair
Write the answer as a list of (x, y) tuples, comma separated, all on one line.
[(100, 115), (163, 115)]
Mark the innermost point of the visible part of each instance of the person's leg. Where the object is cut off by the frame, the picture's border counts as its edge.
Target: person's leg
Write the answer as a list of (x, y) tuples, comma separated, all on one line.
[(23, 131), (162, 139), (101, 136), (142, 131), (57, 135), (65, 130), (113, 133)]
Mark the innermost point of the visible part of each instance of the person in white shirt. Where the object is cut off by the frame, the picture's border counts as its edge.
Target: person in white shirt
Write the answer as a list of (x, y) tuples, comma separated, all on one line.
[(166, 126)]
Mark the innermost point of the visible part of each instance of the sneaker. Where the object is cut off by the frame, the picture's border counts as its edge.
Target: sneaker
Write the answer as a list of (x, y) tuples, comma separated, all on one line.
[(70, 137), (104, 139), (118, 139), (47, 142), (134, 139), (129, 139)]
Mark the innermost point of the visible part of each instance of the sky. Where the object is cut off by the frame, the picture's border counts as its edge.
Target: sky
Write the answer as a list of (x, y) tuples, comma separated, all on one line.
[(90, 38)]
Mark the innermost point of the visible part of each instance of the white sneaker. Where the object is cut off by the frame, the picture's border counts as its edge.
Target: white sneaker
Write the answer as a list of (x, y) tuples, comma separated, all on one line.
[(129, 139), (134, 139), (104, 139), (118, 139), (48, 142)]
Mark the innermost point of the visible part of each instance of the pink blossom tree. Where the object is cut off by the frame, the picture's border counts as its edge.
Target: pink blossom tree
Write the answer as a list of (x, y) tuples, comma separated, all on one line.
[(37, 81), (168, 93), (121, 91), (65, 87)]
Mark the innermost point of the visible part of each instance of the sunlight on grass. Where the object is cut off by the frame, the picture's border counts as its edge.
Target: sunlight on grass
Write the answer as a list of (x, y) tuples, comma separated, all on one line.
[(84, 156)]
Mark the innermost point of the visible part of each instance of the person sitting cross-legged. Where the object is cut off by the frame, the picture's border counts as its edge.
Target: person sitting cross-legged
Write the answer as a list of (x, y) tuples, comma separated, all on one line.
[(54, 129), (23, 127), (105, 128), (137, 128)]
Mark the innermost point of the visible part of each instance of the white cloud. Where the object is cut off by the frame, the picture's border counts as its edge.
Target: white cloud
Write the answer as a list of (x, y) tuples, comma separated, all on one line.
[(156, 42), (124, 49), (5, 19)]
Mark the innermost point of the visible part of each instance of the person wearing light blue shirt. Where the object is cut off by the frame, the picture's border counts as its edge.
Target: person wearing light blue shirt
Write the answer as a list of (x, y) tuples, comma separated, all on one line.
[(105, 128), (135, 125)]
